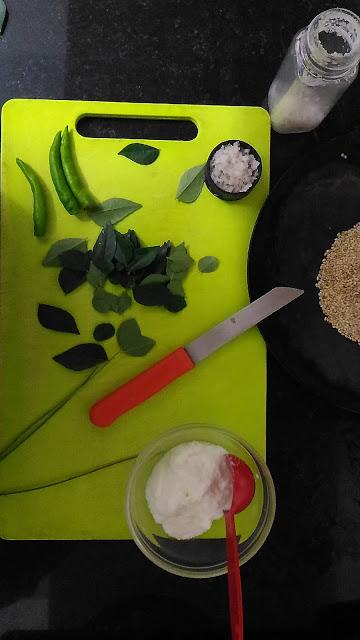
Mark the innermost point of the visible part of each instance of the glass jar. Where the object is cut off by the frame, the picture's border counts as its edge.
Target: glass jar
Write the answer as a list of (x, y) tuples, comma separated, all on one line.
[(320, 64)]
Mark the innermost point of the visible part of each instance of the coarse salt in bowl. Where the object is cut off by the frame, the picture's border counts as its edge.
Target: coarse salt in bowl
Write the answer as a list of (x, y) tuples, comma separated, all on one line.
[(233, 170), (203, 556)]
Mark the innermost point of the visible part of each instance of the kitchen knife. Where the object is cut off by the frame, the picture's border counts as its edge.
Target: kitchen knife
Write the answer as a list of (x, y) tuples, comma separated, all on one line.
[(149, 382)]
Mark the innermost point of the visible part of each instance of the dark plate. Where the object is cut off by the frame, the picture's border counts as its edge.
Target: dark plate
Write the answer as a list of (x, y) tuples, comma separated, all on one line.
[(318, 197)]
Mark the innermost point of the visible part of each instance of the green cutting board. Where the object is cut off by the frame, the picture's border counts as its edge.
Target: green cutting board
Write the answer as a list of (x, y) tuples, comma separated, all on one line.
[(228, 389)]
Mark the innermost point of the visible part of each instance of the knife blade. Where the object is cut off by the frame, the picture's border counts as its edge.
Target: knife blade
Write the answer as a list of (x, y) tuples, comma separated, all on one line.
[(104, 412)]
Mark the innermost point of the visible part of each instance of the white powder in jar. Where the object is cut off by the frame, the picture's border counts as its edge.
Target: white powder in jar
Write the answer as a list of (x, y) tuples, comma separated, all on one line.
[(189, 488), (234, 169)]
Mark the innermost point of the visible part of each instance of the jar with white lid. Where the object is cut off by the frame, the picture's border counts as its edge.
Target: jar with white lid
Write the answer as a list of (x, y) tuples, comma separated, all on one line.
[(320, 64)]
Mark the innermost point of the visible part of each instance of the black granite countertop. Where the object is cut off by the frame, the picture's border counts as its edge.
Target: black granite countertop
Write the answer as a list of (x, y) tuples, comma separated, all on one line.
[(306, 577)]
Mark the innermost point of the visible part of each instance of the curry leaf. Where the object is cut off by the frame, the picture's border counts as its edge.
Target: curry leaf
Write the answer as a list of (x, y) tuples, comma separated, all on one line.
[(179, 259), (175, 304), (113, 210), (122, 277), (103, 331), (100, 300), (95, 276), (191, 184), (131, 340), (121, 303), (52, 258), (156, 278), (207, 264), (143, 258), (158, 295), (140, 153), (131, 235), (104, 249), (152, 295), (176, 284), (82, 356), (56, 319), (76, 260), (103, 301), (69, 280), (124, 252)]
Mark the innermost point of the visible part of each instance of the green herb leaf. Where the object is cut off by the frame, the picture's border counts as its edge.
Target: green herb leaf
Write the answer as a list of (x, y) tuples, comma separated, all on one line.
[(131, 235), (152, 290), (175, 304), (131, 340), (178, 259), (52, 258), (100, 300), (95, 277), (207, 264), (82, 356), (76, 260), (123, 278), (104, 249), (191, 183), (124, 249), (152, 295), (103, 301), (103, 331), (56, 319), (69, 279), (140, 153), (3, 12), (158, 295), (121, 303), (143, 258), (156, 278), (113, 210), (176, 283)]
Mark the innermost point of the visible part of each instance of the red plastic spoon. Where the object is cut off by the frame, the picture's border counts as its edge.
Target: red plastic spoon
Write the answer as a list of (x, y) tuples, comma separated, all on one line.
[(243, 493)]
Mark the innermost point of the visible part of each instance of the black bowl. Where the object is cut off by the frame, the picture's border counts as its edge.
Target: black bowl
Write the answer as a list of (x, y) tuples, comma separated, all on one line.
[(228, 195)]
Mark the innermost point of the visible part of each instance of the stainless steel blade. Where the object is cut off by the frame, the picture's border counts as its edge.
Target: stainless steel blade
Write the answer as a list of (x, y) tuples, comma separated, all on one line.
[(247, 317)]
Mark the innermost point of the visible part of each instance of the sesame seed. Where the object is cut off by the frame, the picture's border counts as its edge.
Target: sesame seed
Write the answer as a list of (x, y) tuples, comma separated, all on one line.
[(338, 282)]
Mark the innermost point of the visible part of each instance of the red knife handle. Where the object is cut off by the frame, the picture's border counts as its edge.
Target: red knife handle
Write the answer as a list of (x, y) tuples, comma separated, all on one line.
[(139, 389)]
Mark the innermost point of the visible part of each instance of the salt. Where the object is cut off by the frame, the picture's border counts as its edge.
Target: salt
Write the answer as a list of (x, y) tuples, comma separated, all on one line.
[(234, 169)]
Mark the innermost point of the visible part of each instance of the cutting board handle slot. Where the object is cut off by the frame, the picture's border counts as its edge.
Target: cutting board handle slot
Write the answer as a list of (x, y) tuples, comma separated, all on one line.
[(137, 128)]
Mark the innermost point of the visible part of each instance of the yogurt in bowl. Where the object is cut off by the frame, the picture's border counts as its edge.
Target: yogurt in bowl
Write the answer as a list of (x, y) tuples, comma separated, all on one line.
[(176, 494), (189, 488)]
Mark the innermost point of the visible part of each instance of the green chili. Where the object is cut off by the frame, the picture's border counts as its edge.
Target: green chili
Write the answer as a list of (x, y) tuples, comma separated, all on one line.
[(72, 176), (63, 190), (39, 204)]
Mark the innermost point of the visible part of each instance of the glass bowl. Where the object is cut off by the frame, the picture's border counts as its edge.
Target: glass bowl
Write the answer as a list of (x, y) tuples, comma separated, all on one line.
[(204, 556)]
